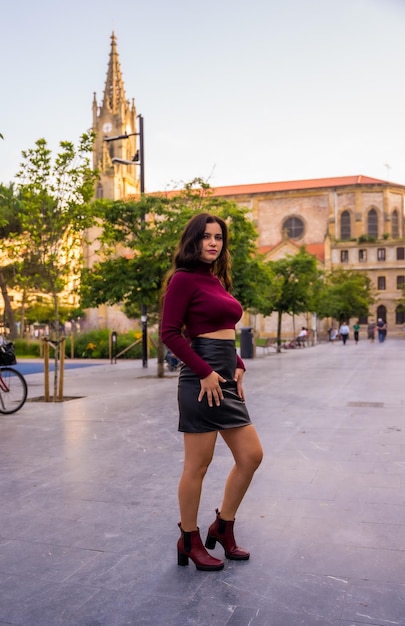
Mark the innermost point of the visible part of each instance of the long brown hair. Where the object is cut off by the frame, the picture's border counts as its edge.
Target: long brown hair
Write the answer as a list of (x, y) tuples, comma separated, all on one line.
[(188, 251)]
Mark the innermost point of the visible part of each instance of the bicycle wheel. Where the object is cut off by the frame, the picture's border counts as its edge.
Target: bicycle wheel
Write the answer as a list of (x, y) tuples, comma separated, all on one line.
[(13, 390)]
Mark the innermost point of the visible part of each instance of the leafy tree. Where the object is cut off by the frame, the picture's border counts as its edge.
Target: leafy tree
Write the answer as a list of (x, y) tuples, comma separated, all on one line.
[(345, 294), (146, 234), (9, 223), (54, 212), (296, 278)]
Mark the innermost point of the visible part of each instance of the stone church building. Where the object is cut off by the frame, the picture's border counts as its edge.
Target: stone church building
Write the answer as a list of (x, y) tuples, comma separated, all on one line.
[(351, 222)]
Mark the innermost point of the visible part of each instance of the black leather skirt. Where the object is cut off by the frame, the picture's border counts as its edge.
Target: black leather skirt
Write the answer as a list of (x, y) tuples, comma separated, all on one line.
[(198, 417)]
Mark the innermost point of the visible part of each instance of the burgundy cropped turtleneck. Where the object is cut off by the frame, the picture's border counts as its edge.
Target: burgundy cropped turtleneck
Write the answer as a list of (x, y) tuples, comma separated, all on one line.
[(197, 301)]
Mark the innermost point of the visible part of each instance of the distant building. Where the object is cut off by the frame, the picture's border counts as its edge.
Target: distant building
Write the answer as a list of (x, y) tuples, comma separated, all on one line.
[(352, 222)]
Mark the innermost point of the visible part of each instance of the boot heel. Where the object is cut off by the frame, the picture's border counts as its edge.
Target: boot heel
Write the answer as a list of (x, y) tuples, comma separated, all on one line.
[(190, 546), (210, 542), (182, 559), (222, 531)]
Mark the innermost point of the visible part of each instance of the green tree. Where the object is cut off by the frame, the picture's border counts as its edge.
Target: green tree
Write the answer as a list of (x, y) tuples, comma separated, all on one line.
[(9, 223), (55, 210), (345, 294), (139, 239), (296, 280)]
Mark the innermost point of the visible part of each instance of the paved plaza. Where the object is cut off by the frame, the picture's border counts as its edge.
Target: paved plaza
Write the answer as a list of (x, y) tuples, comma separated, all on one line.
[(89, 499)]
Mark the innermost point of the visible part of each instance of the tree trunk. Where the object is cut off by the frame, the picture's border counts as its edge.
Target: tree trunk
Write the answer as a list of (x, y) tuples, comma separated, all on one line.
[(8, 311), (57, 392), (279, 319), (160, 352), (22, 323)]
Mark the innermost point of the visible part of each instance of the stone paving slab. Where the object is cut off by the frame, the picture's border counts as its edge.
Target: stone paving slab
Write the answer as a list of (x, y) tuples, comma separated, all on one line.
[(89, 499)]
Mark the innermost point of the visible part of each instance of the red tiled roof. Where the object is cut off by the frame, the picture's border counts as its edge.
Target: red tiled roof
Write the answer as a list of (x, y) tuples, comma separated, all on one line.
[(316, 249), (290, 185)]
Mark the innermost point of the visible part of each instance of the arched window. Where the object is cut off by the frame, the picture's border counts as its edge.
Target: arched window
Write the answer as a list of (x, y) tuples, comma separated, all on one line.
[(382, 312), (294, 227), (345, 226), (99, 191), (395, 224), (372, 223), (400, 314)]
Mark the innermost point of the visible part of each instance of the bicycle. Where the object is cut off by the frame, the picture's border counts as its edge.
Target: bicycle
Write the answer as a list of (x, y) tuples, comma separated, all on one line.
[(13, 390)]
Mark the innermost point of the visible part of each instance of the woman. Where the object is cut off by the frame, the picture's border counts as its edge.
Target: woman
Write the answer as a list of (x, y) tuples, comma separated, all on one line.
[(356, 330), (210, 393), (371, 331)]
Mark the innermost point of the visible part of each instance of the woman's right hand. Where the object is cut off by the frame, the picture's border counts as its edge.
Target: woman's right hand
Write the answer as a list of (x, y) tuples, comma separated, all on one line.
[(210, 386)]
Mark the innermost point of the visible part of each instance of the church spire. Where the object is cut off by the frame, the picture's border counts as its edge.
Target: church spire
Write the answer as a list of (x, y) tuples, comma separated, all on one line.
[(115, 117), (114, 92)]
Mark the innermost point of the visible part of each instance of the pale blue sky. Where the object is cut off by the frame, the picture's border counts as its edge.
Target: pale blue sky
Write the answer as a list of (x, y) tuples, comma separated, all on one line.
[(234, 92)]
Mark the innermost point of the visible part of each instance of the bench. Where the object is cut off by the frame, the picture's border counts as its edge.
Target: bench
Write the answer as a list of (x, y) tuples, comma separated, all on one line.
[(267, 345)]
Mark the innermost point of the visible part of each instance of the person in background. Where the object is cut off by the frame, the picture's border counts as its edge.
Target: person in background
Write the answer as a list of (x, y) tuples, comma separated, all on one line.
[(356, 330), (371, 331), (302, 336), (211, 399), (172, 361), (344, 331), (381, 330), (332, 332)]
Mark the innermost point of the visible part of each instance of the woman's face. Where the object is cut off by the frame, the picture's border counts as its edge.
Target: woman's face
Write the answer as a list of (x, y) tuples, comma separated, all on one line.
[(211, 243)]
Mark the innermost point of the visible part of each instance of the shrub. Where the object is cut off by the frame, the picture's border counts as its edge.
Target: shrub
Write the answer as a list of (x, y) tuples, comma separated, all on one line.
[(27, 347), (367, 239), (95, 344)]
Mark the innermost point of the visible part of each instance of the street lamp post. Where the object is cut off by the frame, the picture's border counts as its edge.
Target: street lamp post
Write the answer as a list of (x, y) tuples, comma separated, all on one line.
[(138, 159)]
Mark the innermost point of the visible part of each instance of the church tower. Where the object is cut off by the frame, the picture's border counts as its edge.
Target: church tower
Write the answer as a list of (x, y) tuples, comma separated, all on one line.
[(114, 118)]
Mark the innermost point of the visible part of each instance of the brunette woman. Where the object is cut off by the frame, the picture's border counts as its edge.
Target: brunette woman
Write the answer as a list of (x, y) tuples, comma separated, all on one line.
[(211, 400)]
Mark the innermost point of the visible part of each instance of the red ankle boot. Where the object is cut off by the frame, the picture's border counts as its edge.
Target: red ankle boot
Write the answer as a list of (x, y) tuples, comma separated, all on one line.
[(190, 546), (222, 531)]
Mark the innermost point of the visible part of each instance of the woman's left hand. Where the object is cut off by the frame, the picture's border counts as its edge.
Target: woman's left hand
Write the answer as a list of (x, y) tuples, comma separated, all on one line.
[(238, 379)]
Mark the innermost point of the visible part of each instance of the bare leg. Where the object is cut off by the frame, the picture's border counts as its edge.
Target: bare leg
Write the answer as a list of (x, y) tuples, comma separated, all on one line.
[(247, 452), (198, 453)]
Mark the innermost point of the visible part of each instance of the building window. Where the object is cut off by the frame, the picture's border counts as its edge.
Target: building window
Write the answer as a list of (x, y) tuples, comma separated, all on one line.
[(381, 283), (380, 254), (372, 223), (382, 312), (400, 282), (400, 314), (99, 191), (345, 226), (395, 224), (294, 227), (400, 254), (344, 256), (362, 255)]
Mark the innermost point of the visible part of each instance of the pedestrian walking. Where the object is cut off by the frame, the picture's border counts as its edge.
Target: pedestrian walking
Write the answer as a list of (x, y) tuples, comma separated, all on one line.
[(356, 330), (210, 393), (381, 330), (344, 331), (371, 331)]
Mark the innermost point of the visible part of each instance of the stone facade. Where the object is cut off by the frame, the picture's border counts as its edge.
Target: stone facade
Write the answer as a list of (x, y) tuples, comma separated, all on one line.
[(353, 222)]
